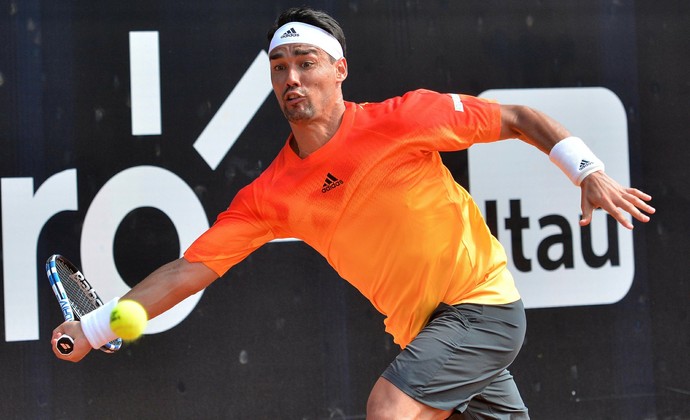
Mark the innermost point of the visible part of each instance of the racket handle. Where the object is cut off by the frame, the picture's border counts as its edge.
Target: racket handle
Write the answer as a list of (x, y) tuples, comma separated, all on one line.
[(65, 344)]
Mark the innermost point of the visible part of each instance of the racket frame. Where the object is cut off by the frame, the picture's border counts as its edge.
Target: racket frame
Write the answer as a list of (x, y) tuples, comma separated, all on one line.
[(69, 311)]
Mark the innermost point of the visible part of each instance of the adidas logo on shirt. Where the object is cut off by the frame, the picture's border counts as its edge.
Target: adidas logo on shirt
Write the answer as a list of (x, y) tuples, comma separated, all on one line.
[(289, 33), (585, 163), (330, 183)]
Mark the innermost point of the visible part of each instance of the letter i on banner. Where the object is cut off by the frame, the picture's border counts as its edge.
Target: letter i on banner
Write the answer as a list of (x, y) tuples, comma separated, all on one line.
[(144, 68)]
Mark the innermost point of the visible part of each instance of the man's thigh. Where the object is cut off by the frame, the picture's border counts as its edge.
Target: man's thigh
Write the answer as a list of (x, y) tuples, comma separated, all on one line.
[(386, 401), (499, 400), (459, 354)]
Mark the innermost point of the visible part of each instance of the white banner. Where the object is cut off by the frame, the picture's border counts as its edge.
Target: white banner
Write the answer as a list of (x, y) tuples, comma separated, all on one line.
[(535, 209)]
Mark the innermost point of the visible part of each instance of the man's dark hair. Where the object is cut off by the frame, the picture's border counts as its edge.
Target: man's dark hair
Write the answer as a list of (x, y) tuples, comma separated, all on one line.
[(312, 17)]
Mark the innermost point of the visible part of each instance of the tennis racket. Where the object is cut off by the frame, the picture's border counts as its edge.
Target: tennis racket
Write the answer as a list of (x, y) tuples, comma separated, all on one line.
[(76, 298)]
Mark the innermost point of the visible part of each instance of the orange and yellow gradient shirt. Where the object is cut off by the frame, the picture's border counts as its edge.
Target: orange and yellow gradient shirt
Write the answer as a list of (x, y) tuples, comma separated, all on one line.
[(377, 202)]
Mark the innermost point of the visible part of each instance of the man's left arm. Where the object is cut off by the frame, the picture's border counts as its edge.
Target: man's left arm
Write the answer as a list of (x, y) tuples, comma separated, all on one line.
[(598, 190)]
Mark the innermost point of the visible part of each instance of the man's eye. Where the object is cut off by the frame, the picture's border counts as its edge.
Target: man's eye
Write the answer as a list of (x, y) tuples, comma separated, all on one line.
[(278, 67), (307, 64)]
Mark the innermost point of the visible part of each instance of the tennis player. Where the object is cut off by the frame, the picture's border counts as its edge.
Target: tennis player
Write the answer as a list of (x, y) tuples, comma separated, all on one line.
[(363, 183)]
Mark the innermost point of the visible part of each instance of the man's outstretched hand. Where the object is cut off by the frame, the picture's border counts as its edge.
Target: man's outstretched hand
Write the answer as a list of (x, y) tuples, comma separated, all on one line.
[(601, 191)]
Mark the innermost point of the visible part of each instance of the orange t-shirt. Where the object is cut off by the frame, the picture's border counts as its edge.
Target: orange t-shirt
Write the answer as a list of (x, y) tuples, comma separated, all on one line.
[(377, 202)]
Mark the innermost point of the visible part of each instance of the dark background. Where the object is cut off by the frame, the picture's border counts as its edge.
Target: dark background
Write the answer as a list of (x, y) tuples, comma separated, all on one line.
[(281, 336)]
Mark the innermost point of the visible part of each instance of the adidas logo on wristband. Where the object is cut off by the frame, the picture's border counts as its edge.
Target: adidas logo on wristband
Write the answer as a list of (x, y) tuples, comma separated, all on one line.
[(585, 163)]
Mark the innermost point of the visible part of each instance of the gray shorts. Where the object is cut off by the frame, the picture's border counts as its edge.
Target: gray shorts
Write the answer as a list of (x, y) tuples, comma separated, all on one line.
[(458, 361)]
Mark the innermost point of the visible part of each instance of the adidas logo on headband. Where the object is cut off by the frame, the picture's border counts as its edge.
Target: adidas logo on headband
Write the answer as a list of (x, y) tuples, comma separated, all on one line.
[(289, 33)]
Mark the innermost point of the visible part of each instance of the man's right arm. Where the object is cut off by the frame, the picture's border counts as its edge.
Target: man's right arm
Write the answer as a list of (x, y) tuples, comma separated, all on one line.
[(158, 292), (171, 284), (598, 190)]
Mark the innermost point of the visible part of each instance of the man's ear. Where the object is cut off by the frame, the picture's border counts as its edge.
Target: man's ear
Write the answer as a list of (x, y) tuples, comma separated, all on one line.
[(341, 69)]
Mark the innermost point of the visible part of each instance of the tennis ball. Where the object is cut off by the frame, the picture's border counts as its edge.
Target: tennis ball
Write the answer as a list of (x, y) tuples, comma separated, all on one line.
[(128, 319)]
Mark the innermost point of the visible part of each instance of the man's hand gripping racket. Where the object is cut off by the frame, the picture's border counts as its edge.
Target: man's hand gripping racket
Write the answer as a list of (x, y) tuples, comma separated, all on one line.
[(76, 297)]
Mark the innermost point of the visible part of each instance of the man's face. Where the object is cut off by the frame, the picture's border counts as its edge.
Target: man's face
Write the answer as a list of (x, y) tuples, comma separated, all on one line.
[(305, 81)]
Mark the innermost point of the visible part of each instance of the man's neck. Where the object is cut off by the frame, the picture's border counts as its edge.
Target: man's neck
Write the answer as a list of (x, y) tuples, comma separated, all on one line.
[(309, 136)]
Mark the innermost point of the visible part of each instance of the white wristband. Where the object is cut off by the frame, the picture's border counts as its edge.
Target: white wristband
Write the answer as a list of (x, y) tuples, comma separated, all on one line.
[(96, 325), (575, 159)]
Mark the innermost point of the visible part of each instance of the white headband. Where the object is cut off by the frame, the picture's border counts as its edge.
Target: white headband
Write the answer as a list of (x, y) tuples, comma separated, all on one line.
[(303, 33)]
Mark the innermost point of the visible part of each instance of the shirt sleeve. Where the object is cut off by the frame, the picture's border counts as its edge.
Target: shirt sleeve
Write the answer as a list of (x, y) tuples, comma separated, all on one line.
[(236, 233), (451, 121)]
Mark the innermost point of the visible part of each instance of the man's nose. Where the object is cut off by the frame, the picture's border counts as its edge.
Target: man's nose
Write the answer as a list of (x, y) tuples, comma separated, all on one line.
[(292, 78)]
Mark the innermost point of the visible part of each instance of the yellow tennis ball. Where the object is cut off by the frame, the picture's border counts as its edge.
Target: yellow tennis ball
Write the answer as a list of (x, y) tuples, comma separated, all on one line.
[(128, 319)]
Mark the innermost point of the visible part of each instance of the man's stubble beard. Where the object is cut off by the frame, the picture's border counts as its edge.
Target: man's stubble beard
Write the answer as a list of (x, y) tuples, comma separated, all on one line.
[(297, 115)]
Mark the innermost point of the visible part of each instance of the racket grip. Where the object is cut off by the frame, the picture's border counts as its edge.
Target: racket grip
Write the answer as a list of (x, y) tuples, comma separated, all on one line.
[(65, 344)]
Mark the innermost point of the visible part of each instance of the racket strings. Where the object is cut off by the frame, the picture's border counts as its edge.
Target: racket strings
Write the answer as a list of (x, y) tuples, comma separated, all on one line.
[(80, 301)]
